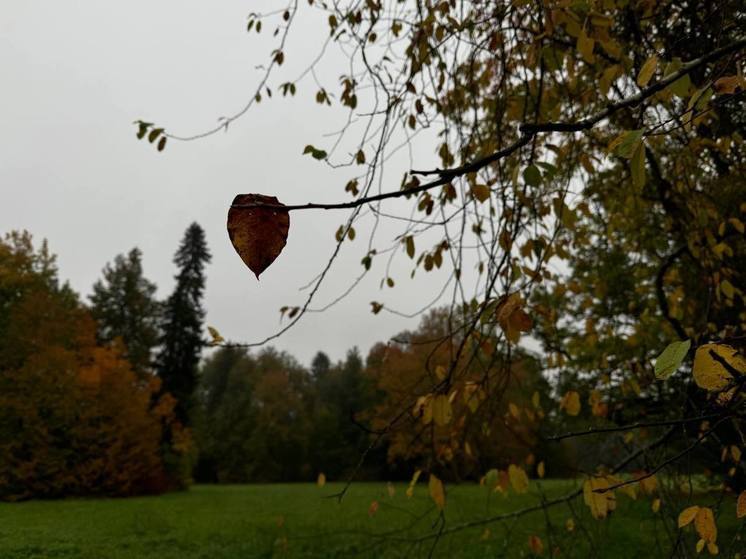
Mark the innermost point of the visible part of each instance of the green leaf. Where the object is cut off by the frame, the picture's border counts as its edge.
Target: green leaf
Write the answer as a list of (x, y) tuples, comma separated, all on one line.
[(647, 71), (670, 359), (626, 143), (532, 175), (154, 133), (315, 153), (409, 240), (638, 166)]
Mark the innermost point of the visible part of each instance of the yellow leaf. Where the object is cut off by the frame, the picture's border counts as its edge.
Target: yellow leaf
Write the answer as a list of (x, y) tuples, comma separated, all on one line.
[(727, 289), (518, 478), (712, 548), (321, 480), (700, 545), (741, 505), (437, 493), (647, 71), (440, 372), (540, 470), (215, 335), (514, 411), (600, 503), (656, 505), (709, 372), (704, 524), (415, 477), (687, 515), (442, 410), (571, 403), (570, 525)]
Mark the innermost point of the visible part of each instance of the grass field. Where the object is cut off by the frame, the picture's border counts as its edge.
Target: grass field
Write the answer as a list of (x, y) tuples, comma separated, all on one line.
[(296, 520)]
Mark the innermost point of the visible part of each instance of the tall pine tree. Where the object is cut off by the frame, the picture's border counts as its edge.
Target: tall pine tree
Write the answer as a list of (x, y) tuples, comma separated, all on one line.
[(181, 339), (124, 306)]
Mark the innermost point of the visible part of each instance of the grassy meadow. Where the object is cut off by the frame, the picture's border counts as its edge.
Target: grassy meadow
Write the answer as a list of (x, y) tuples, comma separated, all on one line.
[(299, 520)]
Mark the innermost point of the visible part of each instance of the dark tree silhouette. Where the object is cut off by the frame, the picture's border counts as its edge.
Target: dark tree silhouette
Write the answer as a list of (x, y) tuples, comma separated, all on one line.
[(181, 339)]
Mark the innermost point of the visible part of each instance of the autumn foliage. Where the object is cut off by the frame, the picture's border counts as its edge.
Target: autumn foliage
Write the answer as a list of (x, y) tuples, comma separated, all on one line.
[(74, 418)]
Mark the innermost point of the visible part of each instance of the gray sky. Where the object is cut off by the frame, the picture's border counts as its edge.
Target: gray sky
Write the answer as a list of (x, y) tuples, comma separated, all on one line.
[(75, 76)]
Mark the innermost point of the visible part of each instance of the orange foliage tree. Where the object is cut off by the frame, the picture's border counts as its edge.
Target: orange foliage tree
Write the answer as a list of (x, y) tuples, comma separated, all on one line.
[(74, 417)]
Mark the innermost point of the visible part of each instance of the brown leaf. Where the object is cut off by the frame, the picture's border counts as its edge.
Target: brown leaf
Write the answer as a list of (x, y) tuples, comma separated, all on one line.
[(258, 234)]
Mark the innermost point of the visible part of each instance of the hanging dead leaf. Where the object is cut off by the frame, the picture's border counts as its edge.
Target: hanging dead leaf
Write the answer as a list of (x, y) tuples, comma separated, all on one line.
[(442, 410), (321, 480), (258, 233), (511, 316)]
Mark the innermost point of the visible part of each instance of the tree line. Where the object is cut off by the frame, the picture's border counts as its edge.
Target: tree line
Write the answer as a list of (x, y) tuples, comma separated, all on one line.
[(112, 395)]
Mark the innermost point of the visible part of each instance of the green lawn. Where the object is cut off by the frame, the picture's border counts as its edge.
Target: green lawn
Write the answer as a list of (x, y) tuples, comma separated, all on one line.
[(296, 520)]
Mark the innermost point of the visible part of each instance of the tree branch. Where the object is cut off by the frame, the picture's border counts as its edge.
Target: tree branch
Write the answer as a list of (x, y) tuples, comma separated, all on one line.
[(527, 133)]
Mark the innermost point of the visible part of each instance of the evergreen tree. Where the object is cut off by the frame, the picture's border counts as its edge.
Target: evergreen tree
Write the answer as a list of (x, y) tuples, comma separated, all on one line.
[(181, 339), (124, 306)]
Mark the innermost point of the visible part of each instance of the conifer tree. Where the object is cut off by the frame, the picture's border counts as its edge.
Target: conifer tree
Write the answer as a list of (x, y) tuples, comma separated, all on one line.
[(181, 337), (124, 306)]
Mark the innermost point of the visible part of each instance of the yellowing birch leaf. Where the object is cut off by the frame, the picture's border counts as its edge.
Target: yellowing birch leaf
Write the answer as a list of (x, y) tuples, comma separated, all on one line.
[(687, 515), (704, 524), (741, 505), (518, 478), (571, 403), (647, 71), (599, 502), (437, 493), (217, 339), (415, 477), (585, 47), (442, 410), (709, 372)]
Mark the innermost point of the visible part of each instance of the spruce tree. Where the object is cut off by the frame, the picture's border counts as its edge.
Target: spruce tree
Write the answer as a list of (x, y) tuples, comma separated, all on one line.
[(181, 338), (124, 306)]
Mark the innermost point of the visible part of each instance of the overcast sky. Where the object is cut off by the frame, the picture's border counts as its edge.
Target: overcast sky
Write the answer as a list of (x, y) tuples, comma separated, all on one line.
[(77, 73)]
